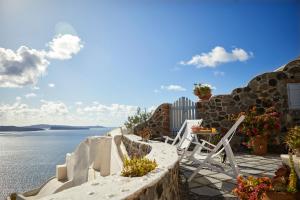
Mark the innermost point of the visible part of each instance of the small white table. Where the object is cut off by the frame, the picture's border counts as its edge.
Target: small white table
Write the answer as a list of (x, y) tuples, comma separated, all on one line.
[(205, 134)]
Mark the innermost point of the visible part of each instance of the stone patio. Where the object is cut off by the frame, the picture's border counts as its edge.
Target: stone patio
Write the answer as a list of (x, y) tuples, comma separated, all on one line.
[(213, 185)]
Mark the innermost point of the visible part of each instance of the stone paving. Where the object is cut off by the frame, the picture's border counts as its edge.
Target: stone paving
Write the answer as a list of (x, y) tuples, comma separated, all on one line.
[(213, 185)]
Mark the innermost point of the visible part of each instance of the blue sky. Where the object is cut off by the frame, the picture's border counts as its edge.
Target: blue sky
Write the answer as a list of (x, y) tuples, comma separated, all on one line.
[(105, 58)]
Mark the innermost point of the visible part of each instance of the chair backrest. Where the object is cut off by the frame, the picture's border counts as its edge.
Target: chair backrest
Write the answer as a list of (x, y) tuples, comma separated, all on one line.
[(187, 136), (229, 135)]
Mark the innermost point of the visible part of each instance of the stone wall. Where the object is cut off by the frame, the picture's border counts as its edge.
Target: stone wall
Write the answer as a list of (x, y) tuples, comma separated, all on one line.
[(166, 188), (262, 91), (265, 90), (138, 149), (159, 122)]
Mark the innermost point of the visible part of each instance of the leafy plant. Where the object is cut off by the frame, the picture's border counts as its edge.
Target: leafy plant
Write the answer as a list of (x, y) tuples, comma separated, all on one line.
[(281, 179), (202, 90), (293, 138), (139, 117), (137, 167), (252, 188), (292, 186)]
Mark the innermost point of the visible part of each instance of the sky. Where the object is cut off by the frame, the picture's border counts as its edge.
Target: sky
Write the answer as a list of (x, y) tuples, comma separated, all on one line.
[(95, 62)]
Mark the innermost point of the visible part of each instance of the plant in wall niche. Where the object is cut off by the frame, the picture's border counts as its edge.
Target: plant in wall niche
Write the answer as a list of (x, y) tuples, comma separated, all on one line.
[(145, 133), (139, 117), (203, 91), (293, 140), (252, 188), (258, 126), (136, 167), (284, 184)]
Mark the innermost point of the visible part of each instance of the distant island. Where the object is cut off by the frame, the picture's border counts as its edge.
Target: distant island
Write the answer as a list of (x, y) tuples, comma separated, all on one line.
[(41, 127)]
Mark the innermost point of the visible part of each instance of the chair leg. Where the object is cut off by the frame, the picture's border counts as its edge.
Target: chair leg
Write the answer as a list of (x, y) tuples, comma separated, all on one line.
[(231, 158), (195, 173)]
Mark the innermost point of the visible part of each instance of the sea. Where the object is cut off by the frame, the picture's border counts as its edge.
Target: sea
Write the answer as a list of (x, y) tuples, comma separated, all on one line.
[(28, 159)]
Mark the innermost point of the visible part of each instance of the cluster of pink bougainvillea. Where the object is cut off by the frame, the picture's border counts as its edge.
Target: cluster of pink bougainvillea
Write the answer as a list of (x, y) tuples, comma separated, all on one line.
[(257, 123), (252, 188)]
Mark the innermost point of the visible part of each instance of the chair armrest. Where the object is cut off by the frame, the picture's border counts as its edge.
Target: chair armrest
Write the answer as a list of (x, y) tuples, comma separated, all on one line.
[(61, 172), (167, 138), (206, 142), (202, 145)]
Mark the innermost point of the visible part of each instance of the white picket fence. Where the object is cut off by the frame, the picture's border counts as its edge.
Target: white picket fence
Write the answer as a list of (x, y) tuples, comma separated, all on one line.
[(181, 110)]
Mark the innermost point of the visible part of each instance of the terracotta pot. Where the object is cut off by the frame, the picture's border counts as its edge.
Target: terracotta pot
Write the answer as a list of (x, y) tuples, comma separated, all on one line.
[(205, 97), (259, 145), (271, 195), (297, 152)]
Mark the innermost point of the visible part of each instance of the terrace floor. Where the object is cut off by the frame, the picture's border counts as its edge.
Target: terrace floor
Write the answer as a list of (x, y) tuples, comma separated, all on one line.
[(212, 185)]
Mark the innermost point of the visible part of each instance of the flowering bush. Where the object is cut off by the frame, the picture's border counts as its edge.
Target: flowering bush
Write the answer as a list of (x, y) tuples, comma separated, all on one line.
[(257, 123), (252, 188), (202, 90)]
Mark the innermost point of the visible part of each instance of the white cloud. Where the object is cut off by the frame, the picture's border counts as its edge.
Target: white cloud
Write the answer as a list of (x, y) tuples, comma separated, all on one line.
[(219, 73), (25, 65), (22, 67), (35, 88), (30, 95), (95, 102), (151, 109), (50, 107), (22, 114), (172, 88), (18, 98), (52, 85), (217, 56), (57, 112), (78, 103), (64, 46)]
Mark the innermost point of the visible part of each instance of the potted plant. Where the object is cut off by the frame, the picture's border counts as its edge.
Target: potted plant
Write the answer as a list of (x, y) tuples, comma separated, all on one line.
[(258, 127), (284, 184), (252, 188), (203, 91), (293, 140)]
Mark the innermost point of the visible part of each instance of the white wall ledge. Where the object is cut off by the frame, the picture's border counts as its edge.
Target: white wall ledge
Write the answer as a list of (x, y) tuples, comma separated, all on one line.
[(118, 187)]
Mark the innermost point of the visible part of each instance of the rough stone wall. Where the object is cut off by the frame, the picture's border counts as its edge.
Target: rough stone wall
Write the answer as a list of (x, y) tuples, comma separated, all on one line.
[(136, 149), (262, 91), (166, 188), (159, 122)]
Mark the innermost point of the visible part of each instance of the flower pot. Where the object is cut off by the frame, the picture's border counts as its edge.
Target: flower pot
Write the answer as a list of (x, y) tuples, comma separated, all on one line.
[(297, 152), (272, 195), (205, 97), (259, 145)]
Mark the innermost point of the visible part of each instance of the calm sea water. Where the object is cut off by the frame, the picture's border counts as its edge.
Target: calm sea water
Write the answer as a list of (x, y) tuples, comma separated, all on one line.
[(28, 159)]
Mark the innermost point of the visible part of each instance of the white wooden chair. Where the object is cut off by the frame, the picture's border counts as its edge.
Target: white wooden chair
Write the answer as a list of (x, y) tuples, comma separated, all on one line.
[(216, 150), (184, 136)]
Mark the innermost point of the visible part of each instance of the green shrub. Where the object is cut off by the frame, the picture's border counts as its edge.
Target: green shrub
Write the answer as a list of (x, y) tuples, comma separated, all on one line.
[(139, 117), (137, 167)]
